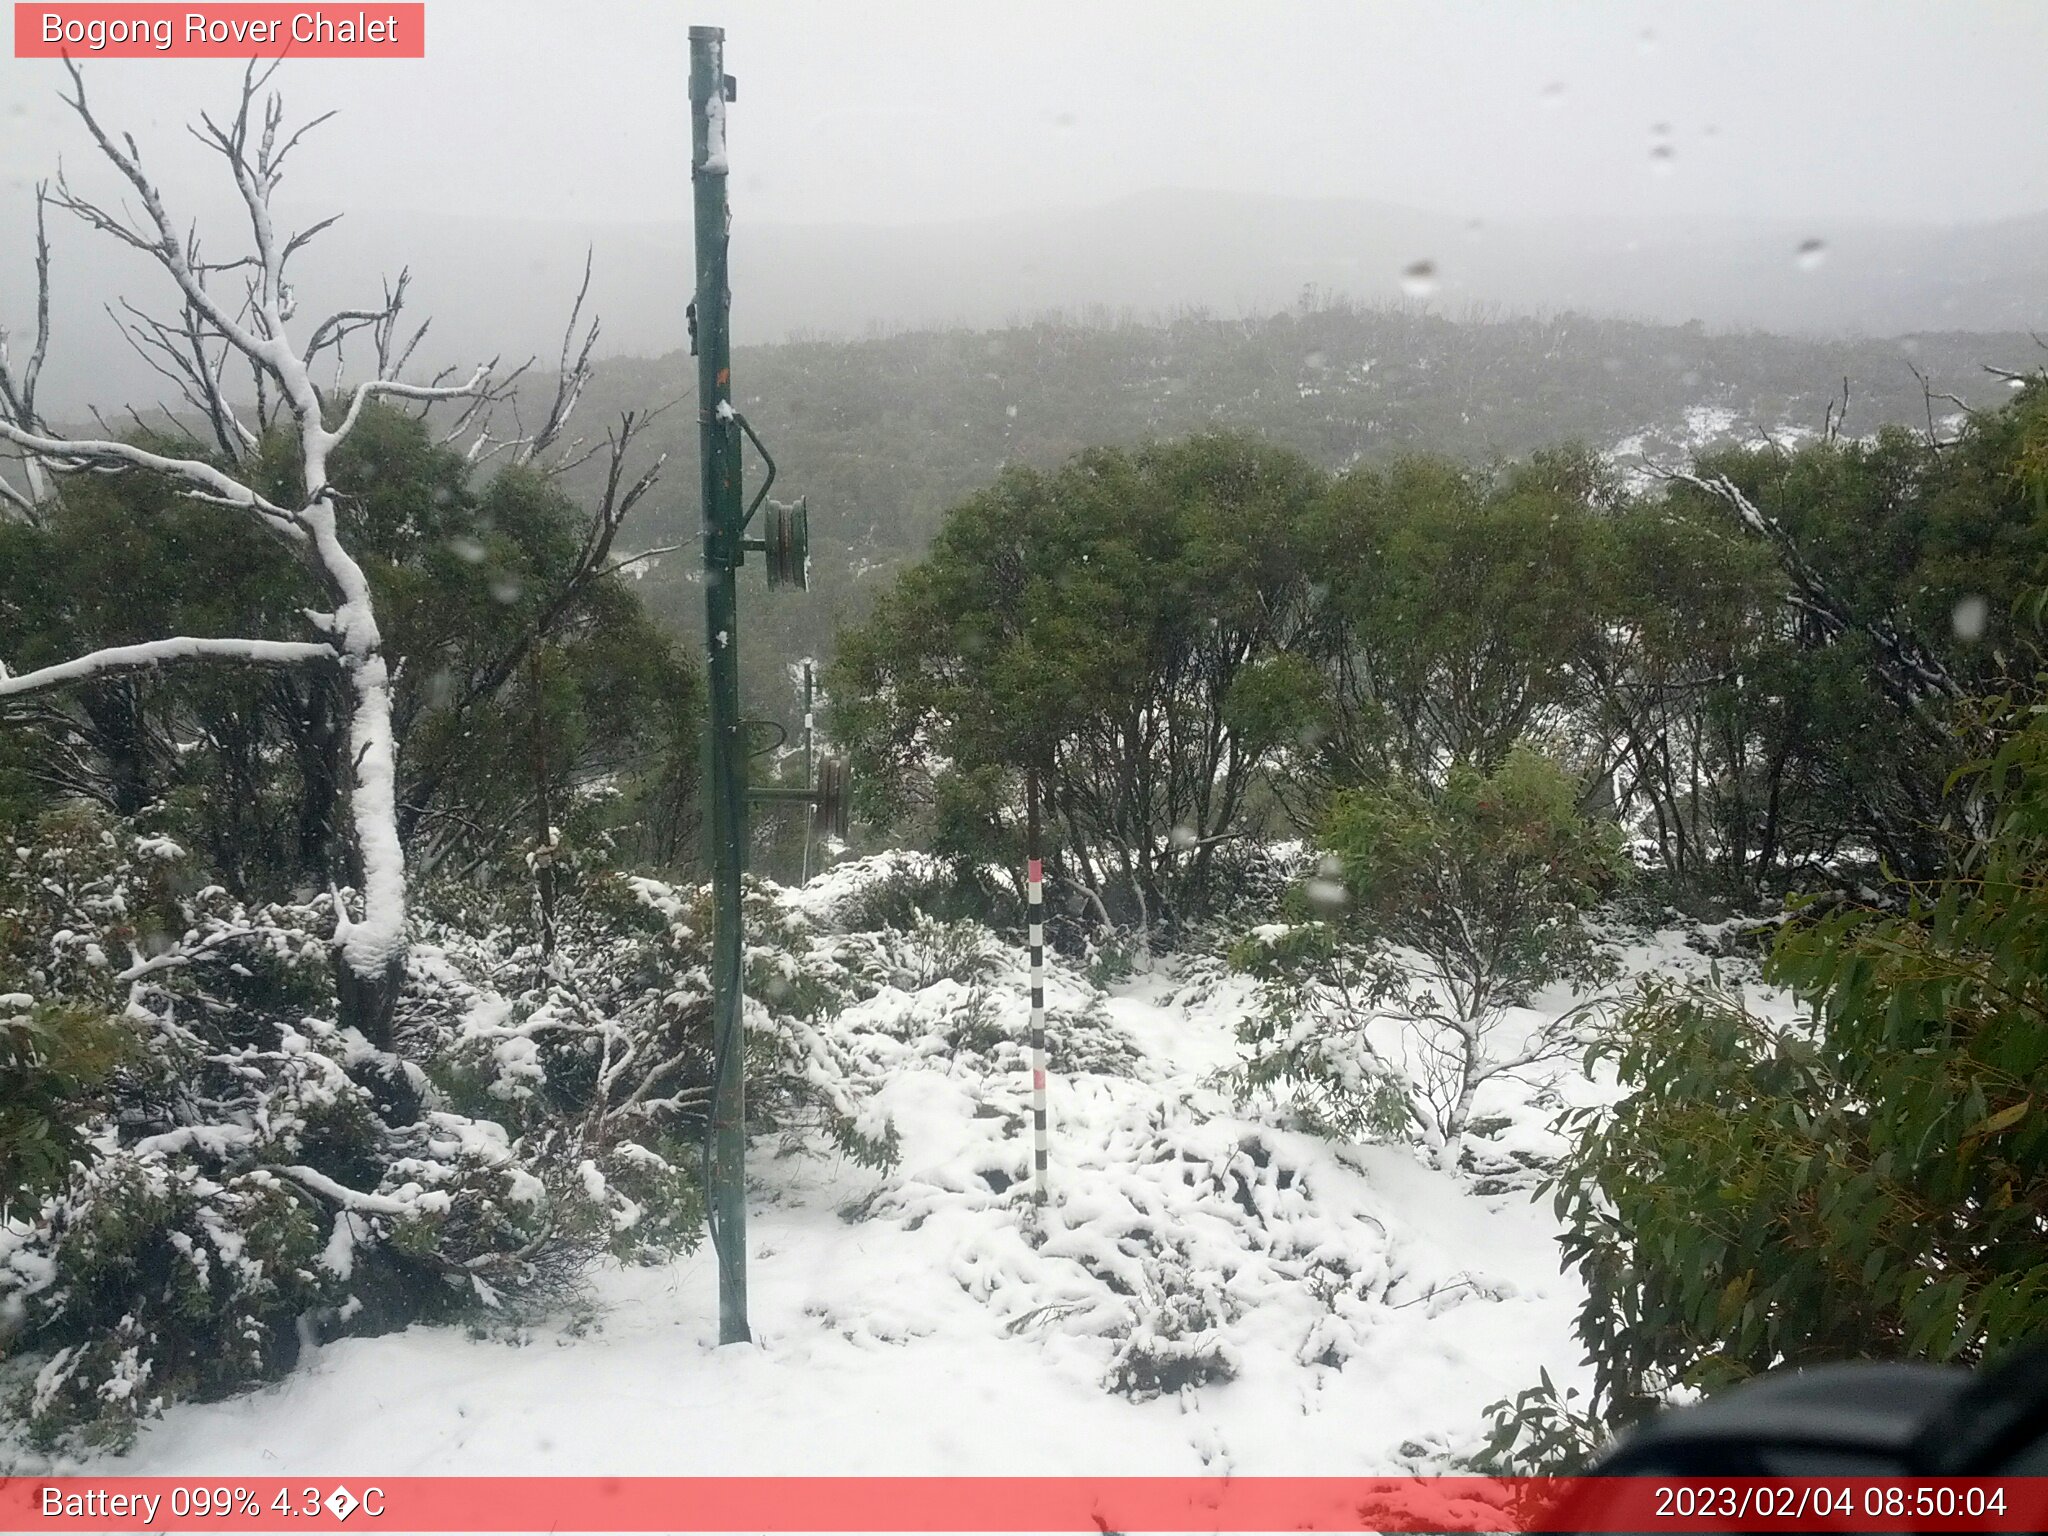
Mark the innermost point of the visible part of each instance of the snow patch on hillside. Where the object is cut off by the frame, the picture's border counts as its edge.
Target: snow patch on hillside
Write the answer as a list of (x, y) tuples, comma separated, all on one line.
[(1644, 456)]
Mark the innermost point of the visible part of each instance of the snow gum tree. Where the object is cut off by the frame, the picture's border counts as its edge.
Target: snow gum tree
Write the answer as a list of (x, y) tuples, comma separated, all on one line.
[(239, 314), (1132, 629)]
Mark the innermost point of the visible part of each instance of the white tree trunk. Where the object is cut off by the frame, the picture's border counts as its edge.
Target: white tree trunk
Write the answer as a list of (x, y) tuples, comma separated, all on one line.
[(369, 945)]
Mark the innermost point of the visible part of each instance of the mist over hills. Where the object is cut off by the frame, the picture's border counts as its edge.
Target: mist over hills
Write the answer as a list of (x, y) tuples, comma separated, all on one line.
[(894, 370), (501, 286)]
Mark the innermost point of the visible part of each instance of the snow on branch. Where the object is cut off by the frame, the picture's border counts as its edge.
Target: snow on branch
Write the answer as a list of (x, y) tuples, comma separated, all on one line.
[(73, 455), (1910, 671), (152, 654), (371, 389)]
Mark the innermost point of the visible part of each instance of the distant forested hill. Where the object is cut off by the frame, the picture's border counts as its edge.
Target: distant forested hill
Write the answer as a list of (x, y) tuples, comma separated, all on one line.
[(885, 434)]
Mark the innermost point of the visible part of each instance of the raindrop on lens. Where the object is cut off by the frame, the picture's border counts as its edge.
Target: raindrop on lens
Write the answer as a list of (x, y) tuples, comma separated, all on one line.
[(1811, 254), (1182, 836), (1418, 279), (1327, 890), (1553, 94), (466, 550), (505, 589), (1970, 617)]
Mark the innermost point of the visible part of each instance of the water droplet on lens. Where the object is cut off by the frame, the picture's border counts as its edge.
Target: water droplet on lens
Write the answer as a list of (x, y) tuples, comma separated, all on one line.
[(1418, 279), (1182, 836), (505, 589), (1811, 254), (1553, 94), (1326, 893), (466, 550), (1970, 618)]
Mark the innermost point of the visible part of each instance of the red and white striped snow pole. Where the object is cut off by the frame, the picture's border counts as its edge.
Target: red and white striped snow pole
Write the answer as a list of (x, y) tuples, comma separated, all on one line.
[(1034, 895), (1035, 885)]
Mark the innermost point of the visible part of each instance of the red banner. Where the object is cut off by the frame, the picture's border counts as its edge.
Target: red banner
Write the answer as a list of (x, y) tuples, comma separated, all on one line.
[(1108, 1504), (360, 31)]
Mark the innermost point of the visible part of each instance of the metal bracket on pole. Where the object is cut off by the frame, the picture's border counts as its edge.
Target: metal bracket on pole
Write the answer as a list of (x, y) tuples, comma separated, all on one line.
[(831, 797)]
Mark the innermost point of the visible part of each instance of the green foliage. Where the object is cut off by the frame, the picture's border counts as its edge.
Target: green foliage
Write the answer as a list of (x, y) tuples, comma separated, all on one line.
[(1484, 876), (1865, 1183), (1458, 602), (1828, 713), (54, 1058), (1439, 908), (1122, 627), (892, 431), (1540, 1432), (490, 639)]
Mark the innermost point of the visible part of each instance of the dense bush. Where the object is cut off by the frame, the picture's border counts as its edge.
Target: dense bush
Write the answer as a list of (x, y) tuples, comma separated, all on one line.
[(1868, 1180), (239, 1177)]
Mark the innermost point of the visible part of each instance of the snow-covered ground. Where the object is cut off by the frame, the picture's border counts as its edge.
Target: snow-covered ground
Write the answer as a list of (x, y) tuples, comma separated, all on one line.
[(1300, 1306)]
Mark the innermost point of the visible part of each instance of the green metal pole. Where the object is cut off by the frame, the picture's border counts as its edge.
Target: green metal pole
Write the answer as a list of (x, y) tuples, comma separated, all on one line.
[(725, 758)]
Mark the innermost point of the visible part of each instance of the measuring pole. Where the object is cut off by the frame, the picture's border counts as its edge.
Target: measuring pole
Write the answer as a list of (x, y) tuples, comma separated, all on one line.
[(719, 442), (1034, 886)]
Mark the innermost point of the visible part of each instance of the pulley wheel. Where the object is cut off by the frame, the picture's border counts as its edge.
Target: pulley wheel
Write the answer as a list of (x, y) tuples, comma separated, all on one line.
[(788, 537)]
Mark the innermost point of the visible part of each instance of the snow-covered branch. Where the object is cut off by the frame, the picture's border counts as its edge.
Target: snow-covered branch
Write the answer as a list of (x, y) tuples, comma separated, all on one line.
[(371, 389), (1910, 671), (152, 654), (74, 454)]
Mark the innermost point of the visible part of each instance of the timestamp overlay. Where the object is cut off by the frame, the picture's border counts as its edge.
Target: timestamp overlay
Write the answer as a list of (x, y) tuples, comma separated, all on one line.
[(1084, 1504)]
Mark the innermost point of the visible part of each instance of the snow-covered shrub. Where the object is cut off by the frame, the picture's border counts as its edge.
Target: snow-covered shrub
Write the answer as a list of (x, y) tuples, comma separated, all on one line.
[(244, 1176), (161, 1282), (1307, 1034), (904, 889), (1177, 1341), (1360, 1043)]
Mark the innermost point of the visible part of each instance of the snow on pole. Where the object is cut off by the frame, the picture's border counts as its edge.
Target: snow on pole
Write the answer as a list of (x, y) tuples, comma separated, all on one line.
[(1035, 885)]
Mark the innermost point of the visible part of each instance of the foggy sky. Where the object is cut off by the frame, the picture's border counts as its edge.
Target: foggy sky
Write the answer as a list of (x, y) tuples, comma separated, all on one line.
[(904, 112), (901, 111)]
